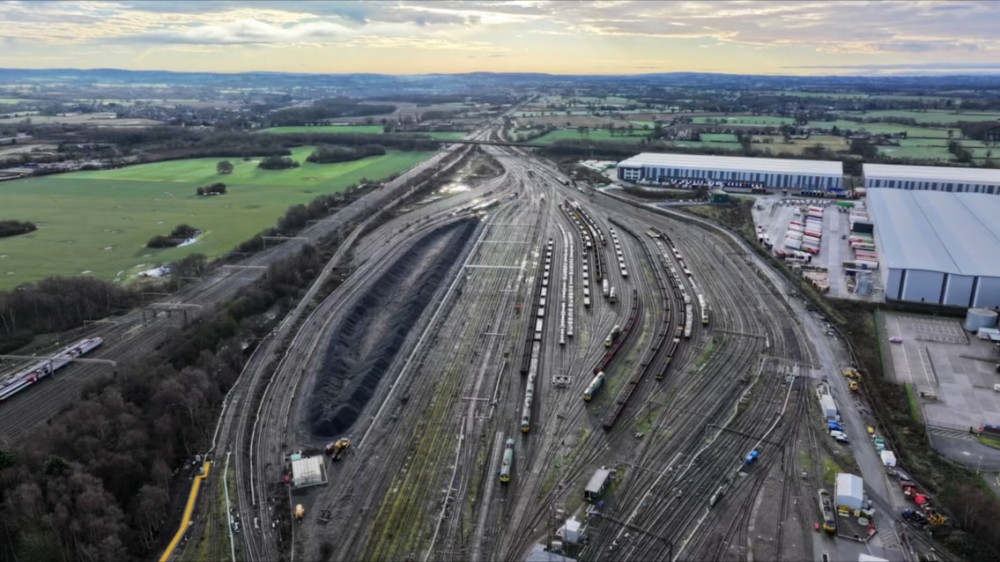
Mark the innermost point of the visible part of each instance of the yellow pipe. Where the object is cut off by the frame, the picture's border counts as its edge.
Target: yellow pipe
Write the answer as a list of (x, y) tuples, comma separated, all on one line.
[(186, 520)]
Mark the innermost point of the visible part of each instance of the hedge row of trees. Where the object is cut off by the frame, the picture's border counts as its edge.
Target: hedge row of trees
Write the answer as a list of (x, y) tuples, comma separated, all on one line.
[(217, 188), (333, 154), (56, 304), (13, 228), (177, 236), (95, 484), (277, 163)]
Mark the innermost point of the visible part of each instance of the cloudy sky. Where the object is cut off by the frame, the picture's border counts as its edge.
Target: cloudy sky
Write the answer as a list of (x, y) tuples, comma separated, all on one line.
[(564, 37)]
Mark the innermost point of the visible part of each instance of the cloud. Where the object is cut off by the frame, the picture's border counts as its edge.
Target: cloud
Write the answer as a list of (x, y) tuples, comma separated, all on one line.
[(882, 32), (252, 32)]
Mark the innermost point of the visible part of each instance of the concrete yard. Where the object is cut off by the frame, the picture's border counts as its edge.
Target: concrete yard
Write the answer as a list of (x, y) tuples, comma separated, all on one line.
[(938, 356)]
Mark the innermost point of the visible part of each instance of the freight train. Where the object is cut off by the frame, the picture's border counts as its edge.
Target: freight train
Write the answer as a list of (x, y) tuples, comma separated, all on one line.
[(28, 376)]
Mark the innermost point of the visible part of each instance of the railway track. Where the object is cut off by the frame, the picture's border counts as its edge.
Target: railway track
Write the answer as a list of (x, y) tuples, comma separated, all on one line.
[(420, 484)]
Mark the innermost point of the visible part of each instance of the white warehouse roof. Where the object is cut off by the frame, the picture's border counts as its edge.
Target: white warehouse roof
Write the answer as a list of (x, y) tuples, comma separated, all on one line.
[(764, 165), (308, 472), (954, 233), (850, 490), (933, 173)]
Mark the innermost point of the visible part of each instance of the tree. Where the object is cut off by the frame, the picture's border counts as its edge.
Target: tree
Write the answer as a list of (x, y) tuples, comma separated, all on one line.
[(961, 153), (224, 168), (863, 148)]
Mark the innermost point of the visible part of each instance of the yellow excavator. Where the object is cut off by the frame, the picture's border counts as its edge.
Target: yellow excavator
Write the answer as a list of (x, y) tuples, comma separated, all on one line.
[(337, 449)]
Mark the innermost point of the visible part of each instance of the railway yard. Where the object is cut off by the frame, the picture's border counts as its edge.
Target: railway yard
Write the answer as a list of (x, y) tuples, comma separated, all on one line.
[(431, 384), (456, 356)]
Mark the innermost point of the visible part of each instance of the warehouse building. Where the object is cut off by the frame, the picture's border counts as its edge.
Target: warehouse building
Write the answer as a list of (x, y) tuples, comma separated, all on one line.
[(938, 247), (932, 178), (773, 173)]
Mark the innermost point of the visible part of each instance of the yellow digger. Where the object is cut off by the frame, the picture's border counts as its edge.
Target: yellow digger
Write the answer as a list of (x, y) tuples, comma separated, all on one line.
[(337, 449)]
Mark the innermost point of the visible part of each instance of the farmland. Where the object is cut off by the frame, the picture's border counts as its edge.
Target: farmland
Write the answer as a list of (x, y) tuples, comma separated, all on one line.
[(98, 222), (356, 129), (931, 116), (595, 135)]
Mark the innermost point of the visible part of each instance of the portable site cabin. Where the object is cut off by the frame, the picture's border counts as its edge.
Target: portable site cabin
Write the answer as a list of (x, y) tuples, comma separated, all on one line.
[(598, 484)]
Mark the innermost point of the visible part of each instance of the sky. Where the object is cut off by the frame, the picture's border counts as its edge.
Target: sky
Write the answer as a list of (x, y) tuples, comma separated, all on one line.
[(558, 37)]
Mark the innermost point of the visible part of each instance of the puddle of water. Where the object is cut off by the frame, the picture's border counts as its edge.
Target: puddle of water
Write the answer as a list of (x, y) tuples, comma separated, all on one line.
[(454, 187)]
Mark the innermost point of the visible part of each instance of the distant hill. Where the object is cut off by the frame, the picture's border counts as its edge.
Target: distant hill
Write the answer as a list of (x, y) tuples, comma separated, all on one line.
[(479, 82)]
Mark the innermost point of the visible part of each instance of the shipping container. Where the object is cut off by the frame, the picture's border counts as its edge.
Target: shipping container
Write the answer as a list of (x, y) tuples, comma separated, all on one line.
[(792, 243)]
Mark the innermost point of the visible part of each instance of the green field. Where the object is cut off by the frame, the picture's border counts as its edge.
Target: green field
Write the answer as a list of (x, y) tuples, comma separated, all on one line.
[(100, 221), (923, 152), (703, 144), (842, 124), (930, 116), (883, 128), (718, 137), (763, 120), (356, 129), (594, 135)]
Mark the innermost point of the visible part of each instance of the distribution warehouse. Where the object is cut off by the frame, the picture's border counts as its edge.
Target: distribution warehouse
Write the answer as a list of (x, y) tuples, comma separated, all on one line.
[(768, 172), (932, 178), (938, 247)]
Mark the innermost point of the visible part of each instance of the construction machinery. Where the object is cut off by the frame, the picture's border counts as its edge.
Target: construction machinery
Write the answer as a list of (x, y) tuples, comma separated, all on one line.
[(922, 500), (337, 449)]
